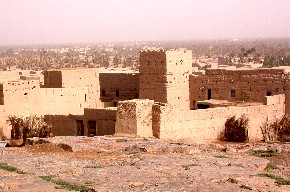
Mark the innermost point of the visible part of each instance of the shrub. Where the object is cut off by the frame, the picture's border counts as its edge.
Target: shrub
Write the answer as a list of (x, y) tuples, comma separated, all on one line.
[(236, 129), (284, 129), (279, 130), (26, 127)]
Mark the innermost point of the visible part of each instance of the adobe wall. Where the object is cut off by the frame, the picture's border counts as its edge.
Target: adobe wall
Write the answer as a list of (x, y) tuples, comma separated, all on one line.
[(164, 76), (19, 97), (62, 125), (52, 79), (71, 77), (126, 84), (62, 101), (105, 119), (134, 117), (152, 75), (248, 85), (87, 78), (9, 76), (208, 124)]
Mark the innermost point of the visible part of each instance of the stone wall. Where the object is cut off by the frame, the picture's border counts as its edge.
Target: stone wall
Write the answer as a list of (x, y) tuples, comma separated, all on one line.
[(237, 85), (134, 117), (208, 124), (119, 86)]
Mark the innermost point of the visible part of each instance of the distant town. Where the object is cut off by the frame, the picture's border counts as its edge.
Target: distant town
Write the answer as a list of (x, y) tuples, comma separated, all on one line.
[(233, 53)]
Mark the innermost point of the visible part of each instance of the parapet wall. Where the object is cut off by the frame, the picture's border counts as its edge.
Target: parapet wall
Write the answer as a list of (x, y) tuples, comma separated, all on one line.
[(208, 124)]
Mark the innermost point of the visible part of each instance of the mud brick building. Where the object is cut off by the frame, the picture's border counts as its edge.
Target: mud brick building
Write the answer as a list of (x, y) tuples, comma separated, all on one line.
[(163, 99)]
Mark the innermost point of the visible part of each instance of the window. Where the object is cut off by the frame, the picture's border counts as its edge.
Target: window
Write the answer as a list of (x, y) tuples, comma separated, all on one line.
[(103, 93), (269, 93), (233, 93), (117, 93)]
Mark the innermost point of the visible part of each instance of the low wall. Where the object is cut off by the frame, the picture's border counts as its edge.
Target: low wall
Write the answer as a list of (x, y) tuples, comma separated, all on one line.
[(208, 124)]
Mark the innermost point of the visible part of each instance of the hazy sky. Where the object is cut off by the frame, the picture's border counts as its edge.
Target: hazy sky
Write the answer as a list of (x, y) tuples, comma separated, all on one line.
[(81, 21)]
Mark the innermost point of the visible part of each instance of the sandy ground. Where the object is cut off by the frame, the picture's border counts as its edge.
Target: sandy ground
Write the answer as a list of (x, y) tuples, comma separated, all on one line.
[(138, 164)]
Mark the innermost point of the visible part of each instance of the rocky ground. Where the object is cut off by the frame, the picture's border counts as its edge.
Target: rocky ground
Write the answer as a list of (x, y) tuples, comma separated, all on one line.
[(137, 164)]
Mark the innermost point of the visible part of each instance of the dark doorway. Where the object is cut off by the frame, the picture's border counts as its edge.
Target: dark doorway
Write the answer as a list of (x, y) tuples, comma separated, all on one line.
[(92, 128), (202, 106), (209, 94), (117, 93), (80, 128)]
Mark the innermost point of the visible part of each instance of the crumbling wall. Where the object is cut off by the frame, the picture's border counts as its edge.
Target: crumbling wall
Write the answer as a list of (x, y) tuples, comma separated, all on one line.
[(237, 85), (208, 124), (134, 117), (119, 86)]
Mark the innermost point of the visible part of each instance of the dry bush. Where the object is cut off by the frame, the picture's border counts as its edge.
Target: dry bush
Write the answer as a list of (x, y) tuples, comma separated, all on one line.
[(279, 130), (26, 127), (284, 129), (236, 129), (270, 130)]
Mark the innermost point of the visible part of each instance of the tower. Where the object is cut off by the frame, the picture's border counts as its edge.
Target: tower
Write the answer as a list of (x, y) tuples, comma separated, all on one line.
[(164, 76)]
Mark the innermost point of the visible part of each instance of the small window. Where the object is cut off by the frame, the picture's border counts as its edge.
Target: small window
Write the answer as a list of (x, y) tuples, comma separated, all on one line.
[(103, 92), (233, 93), (269, 93), (117, 93)]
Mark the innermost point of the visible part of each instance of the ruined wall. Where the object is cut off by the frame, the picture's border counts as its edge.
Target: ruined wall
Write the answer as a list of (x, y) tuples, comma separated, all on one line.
[(164, 76), (119, 86), (237, 85), (134, 117), (208, 124)]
